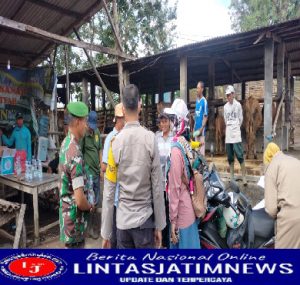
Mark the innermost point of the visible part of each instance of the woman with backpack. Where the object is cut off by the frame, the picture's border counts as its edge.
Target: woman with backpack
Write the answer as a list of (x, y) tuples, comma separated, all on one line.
[(184, 224)]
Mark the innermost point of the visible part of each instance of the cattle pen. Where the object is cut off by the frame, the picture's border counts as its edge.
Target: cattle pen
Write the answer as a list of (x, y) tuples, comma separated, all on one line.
[(267, 57)]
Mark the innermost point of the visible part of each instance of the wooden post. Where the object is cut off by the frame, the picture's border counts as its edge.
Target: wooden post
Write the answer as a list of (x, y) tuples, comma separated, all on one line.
[(96, 72), (280, 69), (288, 89), (243, 90), (67, 74), (268, 88), (211, 96), (85, 92), (93, 96), (126, 77), (183, 78), (280, 84), (211, 79), (118, 46), (103, 99), (292, 108)]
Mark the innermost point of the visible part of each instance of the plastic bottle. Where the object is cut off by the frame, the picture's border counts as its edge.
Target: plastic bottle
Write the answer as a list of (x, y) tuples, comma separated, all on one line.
[(33, 168), (30, 176), (26, 170), (40, 170), (91, 194), (18, 167)]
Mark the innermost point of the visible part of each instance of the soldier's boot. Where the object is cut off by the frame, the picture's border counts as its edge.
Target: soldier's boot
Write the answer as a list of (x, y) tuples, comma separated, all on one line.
[(243, 167), (232, 171)]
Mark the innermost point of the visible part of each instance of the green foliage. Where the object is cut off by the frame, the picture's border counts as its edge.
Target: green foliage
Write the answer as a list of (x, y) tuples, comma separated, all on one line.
[(146, 27), (250, 14)]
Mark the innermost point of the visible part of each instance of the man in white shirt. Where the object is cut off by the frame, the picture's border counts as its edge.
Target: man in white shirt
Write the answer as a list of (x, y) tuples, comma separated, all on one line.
[(233, 115)]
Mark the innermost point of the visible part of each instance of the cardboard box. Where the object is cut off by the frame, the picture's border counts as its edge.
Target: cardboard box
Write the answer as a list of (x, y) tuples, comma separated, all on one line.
[(7, 165)]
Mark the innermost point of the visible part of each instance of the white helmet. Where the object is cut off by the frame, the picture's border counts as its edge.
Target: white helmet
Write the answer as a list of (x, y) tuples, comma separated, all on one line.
[(233, 218), (180, 109), (179, 116)]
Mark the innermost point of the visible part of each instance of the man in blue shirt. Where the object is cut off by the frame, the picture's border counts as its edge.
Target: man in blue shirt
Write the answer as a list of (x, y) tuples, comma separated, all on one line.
[(20, 137), (201, 115)]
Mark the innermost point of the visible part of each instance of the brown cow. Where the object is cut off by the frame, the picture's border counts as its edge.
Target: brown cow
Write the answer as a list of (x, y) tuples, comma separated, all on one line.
[(252, 121), (220, 132)]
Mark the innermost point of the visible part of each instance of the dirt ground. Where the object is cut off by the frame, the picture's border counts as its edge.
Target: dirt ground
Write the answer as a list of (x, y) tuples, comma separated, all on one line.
[(50, 239)]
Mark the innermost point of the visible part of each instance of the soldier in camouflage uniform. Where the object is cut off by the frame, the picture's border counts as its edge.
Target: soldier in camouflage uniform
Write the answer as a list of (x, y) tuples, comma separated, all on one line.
[(74, 206)]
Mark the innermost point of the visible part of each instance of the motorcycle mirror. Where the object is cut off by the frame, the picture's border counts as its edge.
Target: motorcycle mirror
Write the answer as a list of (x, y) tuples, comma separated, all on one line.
[(234, 186)]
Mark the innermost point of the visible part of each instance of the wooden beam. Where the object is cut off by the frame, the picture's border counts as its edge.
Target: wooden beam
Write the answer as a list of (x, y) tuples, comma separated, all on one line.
[(211, 96), (113, 23), (268, 88), (85, 92), (231, 68), (292, 96), (243, 90), (93, 96), (183, 78), (39, 33), (280, 69), (107, 92), (287, 105), (56, 8), (19, 226), (126, 77), (211, 79), (274, 36), (260, 37), (115, 27), (66, 48)]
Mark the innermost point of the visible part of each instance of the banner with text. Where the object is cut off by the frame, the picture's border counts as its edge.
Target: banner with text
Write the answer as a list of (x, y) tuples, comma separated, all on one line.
[(150, 266)]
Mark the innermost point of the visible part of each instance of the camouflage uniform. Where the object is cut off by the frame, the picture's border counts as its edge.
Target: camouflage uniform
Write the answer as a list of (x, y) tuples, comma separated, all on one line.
[(73, 222)]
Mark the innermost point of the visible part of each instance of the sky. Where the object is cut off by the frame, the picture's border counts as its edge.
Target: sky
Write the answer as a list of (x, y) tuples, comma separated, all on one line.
[(199, 20)]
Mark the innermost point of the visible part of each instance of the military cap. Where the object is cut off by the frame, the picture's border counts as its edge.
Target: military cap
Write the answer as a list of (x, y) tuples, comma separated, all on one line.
[(78, 109)]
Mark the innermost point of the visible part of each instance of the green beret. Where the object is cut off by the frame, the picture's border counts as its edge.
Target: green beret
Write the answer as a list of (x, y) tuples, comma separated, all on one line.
[(78, 109)]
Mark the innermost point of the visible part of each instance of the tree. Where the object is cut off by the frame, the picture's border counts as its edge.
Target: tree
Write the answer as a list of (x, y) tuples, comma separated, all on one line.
[(146, 27), (250, 14)]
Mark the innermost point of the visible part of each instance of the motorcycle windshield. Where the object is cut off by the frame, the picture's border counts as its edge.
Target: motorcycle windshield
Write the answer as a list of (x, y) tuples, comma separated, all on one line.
[(215, 180)]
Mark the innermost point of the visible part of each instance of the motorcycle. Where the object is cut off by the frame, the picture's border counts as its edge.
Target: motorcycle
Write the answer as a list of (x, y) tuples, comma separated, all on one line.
[(245, 227)]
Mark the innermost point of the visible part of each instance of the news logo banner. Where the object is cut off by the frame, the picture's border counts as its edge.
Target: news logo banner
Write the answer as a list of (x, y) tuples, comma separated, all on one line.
[(32, 267), (153, 266)]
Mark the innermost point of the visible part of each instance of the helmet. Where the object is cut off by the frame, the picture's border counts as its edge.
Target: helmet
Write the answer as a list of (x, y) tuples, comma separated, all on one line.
[(233, 218), (180, 109), (179, 116)]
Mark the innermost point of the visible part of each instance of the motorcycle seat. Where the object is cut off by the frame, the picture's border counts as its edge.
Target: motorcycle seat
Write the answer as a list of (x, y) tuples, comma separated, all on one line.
[(263, 224)]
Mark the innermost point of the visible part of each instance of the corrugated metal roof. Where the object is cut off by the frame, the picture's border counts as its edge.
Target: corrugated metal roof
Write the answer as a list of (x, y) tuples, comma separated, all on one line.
[(239, 50), (27, 51)]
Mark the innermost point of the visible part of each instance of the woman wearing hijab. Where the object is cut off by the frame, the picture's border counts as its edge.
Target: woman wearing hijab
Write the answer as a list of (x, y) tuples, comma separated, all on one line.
[(184, 226), (282, 195)]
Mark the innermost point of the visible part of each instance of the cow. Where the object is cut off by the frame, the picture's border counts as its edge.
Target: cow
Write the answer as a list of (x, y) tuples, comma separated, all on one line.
[(220, 132), (252, 121)]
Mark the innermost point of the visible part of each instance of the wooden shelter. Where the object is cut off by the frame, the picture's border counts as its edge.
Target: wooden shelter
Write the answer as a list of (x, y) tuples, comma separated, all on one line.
[(261, 54)]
